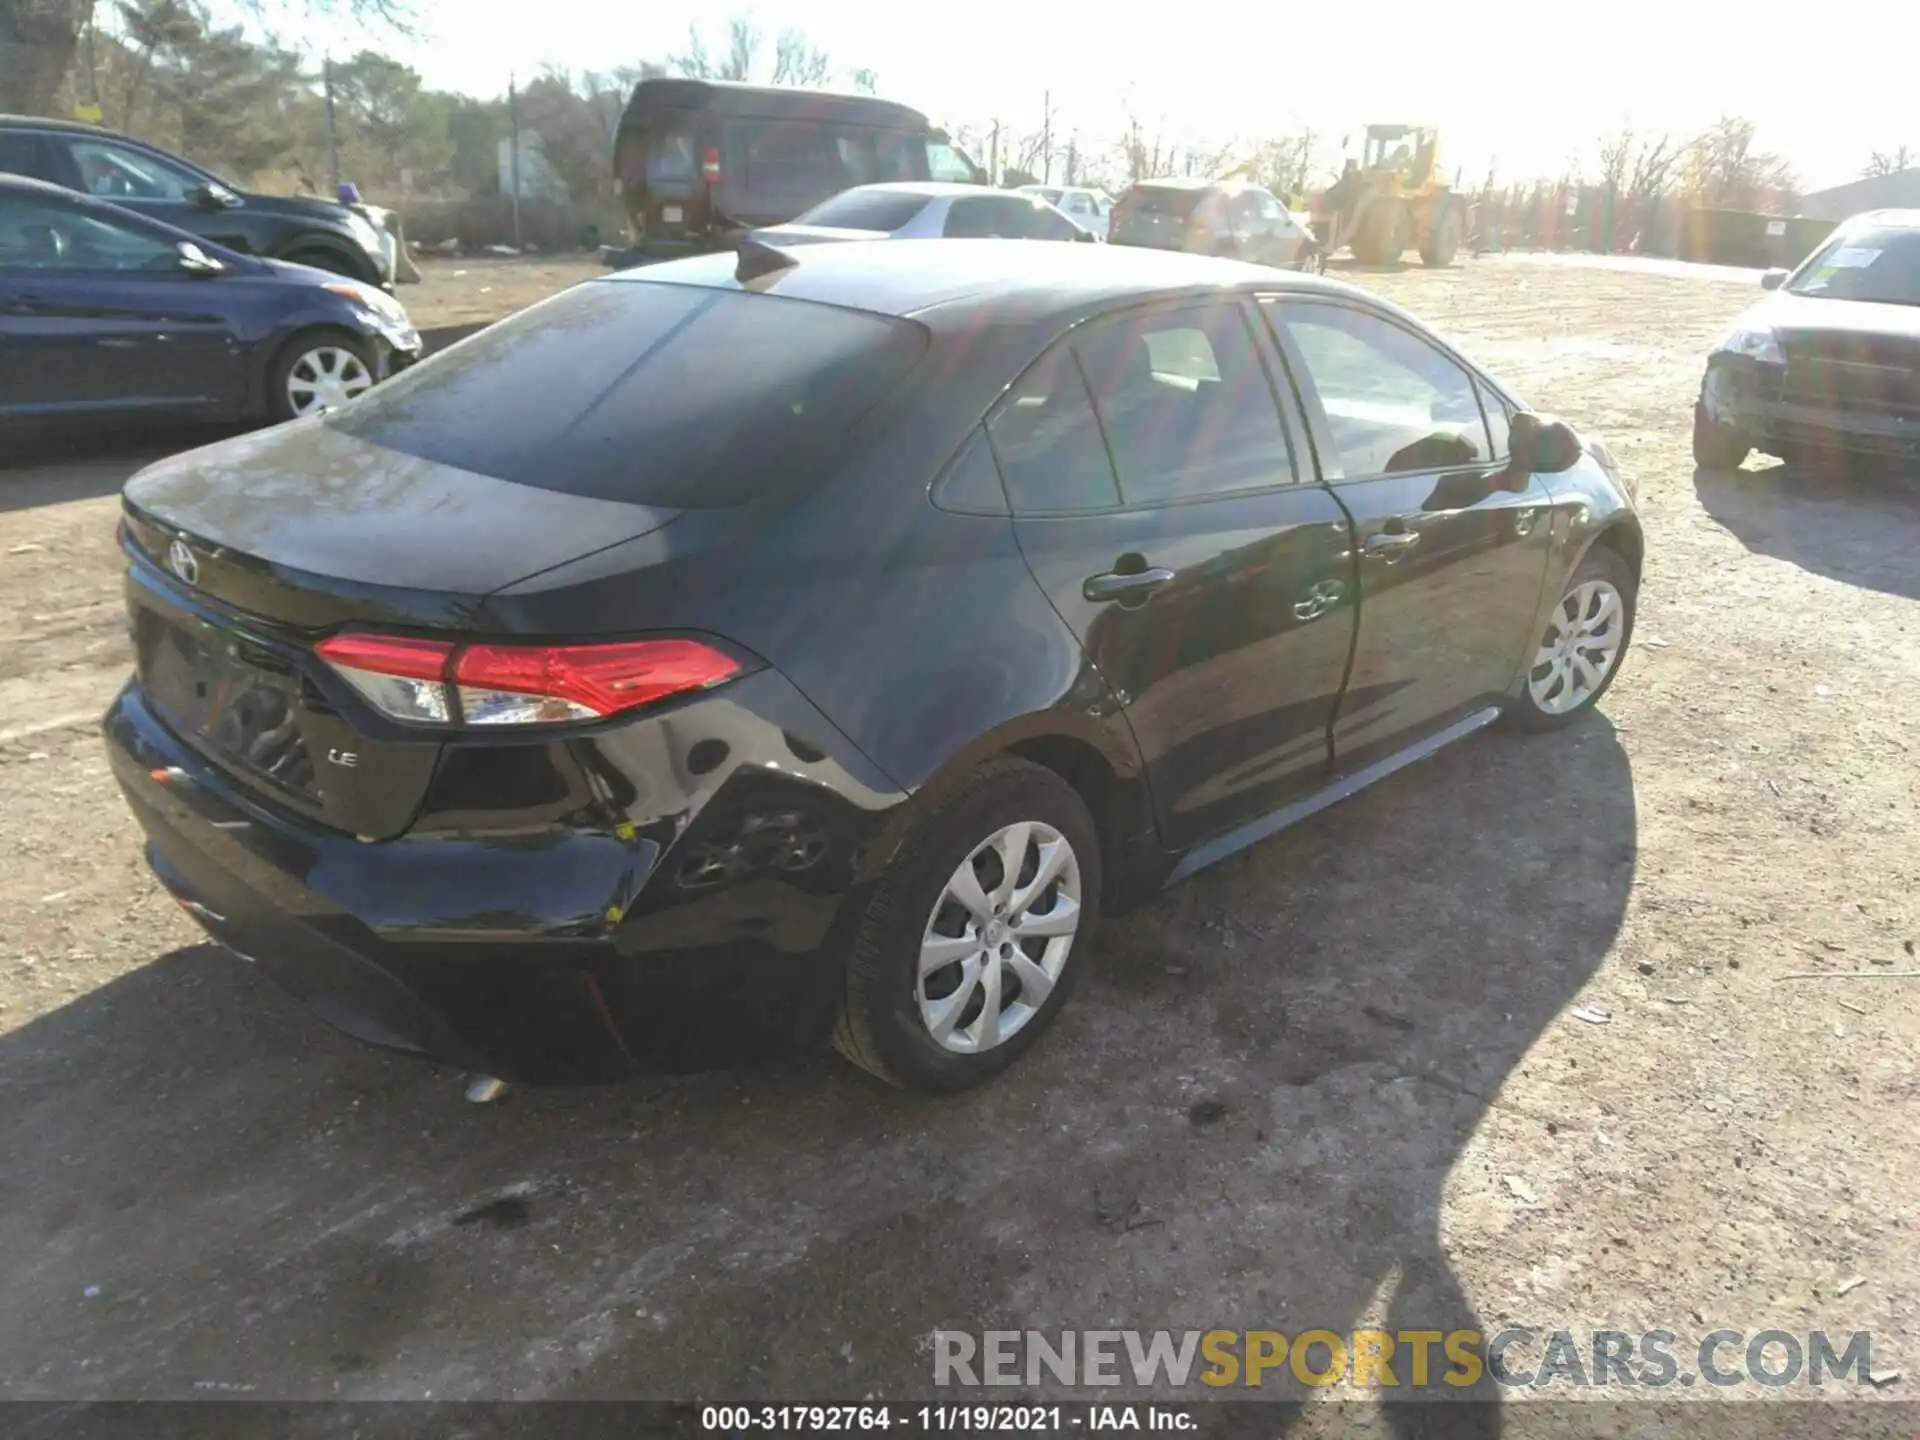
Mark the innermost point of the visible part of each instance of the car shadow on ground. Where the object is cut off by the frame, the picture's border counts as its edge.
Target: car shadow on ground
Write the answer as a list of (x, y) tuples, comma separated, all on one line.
[(58, 466), (1248, 1118), (1853, 522)]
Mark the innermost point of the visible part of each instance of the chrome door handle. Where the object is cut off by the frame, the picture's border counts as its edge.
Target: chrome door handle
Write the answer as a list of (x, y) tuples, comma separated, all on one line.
[(1391, 542), (1132, 587)]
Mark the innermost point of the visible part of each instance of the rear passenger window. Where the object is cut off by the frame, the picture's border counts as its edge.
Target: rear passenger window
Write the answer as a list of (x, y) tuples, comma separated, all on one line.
[(1043, 222), (1048, 442), (780, 155), (1393, 402), (971, 484), (1185, 404)]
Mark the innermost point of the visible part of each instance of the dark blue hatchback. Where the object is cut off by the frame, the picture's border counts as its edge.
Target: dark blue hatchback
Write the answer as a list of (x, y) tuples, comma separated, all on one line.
[(103, 311)]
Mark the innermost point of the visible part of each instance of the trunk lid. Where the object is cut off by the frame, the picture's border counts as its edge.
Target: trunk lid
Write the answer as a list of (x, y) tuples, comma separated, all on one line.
[(570, 430), (246, 553)]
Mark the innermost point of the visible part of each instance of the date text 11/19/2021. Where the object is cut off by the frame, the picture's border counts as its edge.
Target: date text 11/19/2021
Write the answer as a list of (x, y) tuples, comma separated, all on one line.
[(871, 1419)]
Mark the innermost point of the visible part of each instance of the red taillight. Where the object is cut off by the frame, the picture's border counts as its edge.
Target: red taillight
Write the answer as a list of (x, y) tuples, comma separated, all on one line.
[(523, 684), (423, 681), (710, 167), (402, 678)]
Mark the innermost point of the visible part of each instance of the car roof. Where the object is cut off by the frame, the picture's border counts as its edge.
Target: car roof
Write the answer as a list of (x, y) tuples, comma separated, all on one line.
[(960, 279), (43, 122), (775, 102), (1179, 182)]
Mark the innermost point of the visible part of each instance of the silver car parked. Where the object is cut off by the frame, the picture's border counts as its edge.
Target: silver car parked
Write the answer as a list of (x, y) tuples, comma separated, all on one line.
[(927, 210)]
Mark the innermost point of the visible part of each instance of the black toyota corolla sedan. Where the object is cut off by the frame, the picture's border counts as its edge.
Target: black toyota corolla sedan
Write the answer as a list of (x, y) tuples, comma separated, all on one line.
[(759, 648), (1830, 362)]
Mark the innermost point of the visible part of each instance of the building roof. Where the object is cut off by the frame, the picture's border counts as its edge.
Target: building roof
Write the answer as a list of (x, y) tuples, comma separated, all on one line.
[(1898, 191)]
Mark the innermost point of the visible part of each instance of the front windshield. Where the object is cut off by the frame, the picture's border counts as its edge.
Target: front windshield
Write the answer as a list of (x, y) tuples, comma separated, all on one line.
[(1880, 266)]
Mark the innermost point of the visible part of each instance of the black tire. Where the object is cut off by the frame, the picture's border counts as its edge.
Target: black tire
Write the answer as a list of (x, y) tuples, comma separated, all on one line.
[(279, 403), (1382, 237), (322, 258), (879, 1026), (1717, 447), (1443, 241), (1603, 564)]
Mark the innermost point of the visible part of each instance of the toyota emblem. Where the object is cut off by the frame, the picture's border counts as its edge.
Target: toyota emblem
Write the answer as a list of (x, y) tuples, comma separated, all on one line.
[(181, 561)]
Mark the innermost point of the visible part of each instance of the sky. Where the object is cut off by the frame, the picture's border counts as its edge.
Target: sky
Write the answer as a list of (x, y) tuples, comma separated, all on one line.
[(1518, 87)]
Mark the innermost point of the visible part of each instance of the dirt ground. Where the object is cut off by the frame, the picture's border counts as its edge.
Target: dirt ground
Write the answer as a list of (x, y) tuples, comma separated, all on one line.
[(1337, 1080)]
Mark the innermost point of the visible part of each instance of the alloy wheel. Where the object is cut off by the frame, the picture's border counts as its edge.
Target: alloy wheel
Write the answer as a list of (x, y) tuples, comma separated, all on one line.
[(325, 378), (998, 938), (1579, 649)]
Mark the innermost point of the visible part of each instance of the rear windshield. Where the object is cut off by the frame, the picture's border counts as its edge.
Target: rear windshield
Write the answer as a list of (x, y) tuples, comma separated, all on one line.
[(1175, 204), (661, 150), (866, 210), (669, 395)]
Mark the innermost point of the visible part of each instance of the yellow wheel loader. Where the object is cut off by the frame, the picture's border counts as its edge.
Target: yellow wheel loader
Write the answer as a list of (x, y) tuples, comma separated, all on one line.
[(1393, 199)]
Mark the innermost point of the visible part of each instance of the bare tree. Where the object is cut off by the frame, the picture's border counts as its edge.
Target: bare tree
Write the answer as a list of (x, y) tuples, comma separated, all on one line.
[(796, 62), (693, 62), (1287, 164), (1889, 162), (1653, 166), (743, 48), (1616, 155), (1724, 170)]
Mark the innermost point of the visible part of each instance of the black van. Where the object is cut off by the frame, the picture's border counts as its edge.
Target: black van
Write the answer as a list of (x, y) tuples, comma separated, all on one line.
[(700, 161)]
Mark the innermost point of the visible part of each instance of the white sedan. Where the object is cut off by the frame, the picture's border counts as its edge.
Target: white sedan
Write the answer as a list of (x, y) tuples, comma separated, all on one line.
[(924, 210)]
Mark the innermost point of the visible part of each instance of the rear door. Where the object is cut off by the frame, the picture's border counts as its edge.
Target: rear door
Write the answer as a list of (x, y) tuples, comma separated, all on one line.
[(1163, 500), (658, 158), (1452, 554)]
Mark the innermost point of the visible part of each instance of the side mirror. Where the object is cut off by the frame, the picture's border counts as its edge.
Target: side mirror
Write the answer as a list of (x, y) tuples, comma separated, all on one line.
[(1542, 446), (196, 261), (213, 197), (1773, 279)]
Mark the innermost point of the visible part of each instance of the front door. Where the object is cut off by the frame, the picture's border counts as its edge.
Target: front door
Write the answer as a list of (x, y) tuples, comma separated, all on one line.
[(1451, 554), (98, 314), (1163, 500)]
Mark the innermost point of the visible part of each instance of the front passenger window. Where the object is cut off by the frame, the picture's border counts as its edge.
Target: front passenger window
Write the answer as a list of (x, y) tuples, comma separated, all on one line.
[(38, 235), (1393, 402)]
